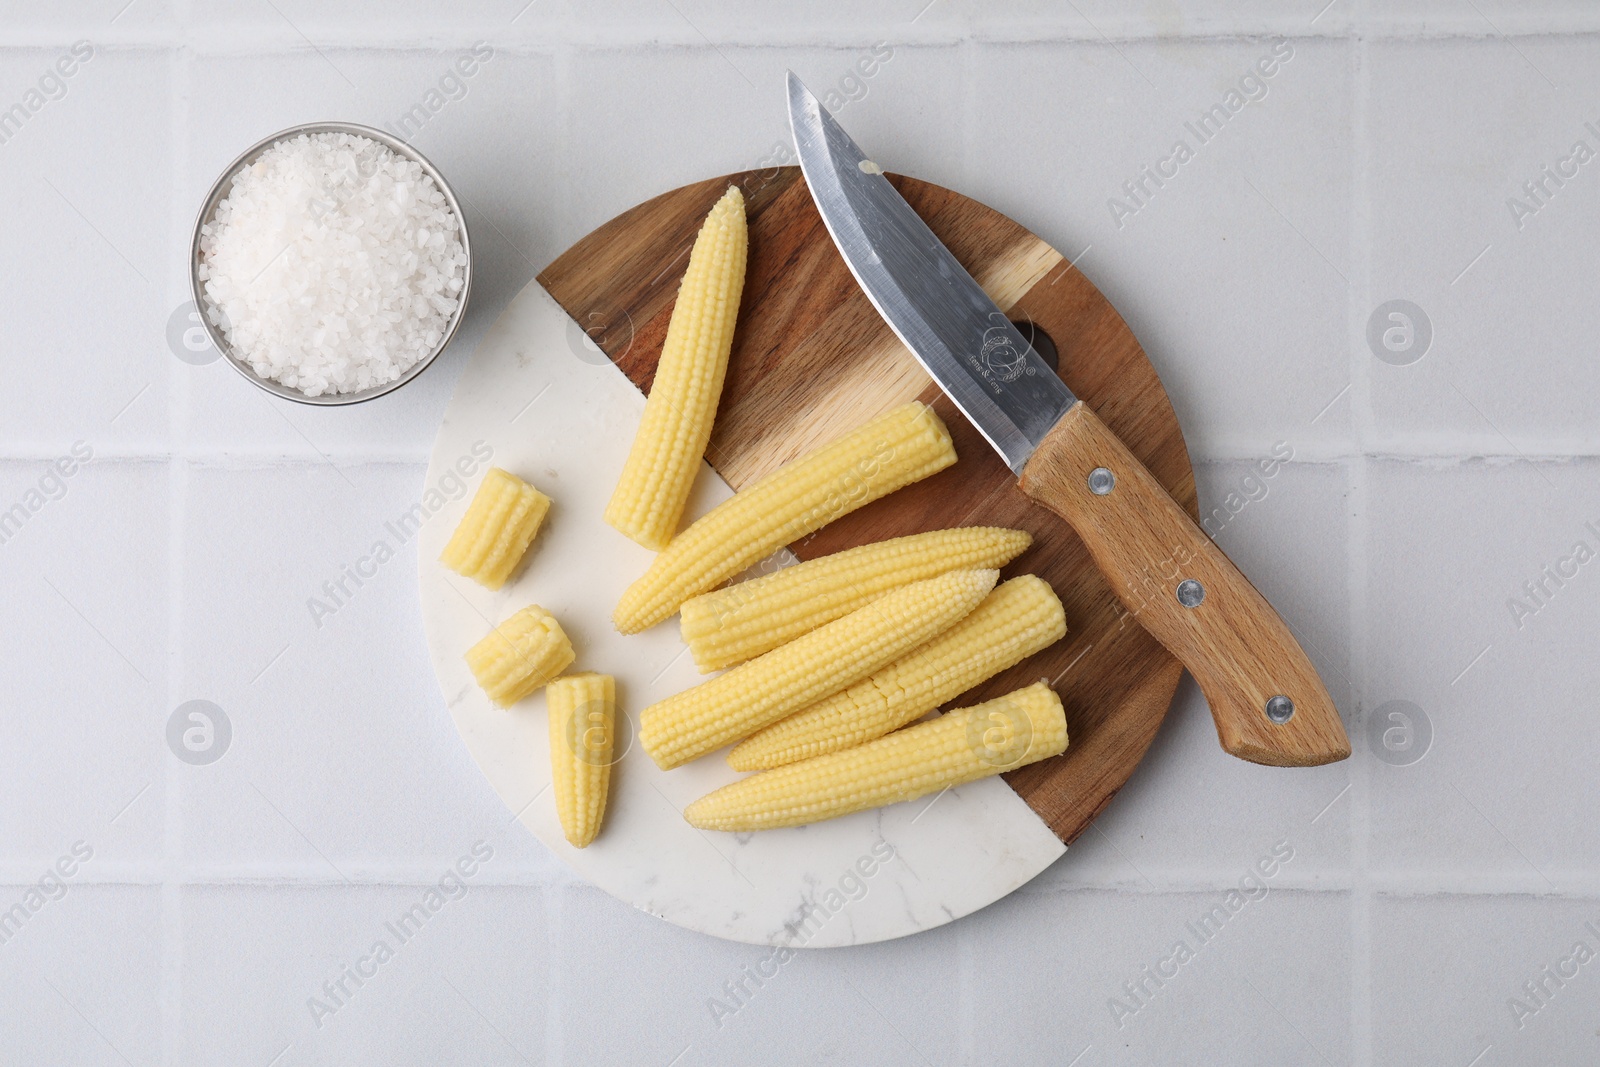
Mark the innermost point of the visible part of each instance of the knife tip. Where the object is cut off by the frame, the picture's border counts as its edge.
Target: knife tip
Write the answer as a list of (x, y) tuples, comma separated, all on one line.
[(799, 95)]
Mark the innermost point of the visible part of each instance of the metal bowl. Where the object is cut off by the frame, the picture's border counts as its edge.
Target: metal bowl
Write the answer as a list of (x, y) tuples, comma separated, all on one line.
[(224, 185)]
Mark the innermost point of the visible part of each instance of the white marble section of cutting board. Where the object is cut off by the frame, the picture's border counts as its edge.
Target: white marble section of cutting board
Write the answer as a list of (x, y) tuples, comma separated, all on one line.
[(556, 412)]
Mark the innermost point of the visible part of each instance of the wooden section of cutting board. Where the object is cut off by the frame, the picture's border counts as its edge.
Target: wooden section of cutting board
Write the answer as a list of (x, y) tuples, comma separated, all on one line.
[(812, 359)]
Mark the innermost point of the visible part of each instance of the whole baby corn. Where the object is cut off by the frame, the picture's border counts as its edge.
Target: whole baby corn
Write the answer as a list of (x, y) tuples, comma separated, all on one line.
[(672, 435), (733, 705), (961, 746), (893, 450), (520, 655), (500, 523), (1021, 617), (583, 713), (728, 626)]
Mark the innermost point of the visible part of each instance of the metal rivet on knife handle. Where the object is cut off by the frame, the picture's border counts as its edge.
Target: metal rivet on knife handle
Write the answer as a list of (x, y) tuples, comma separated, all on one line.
[(1101, 481), (1190, 593), (1280, 709)]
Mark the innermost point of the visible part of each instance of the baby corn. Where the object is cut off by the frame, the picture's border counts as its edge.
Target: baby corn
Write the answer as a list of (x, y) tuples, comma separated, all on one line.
[(893, 450), (520, 655), (964, 745), (733, 705), (1019, 618), (500, 523), (672, 436), (582, 717), (742, 621)]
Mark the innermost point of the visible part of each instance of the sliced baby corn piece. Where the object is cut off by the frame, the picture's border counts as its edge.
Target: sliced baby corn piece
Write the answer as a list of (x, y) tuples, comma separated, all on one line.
[(520, 655), (583, 716), (1021, 617), (500, 523), (1011, 731), (728, 626), (733, 705), (672, 436), (897, 448)]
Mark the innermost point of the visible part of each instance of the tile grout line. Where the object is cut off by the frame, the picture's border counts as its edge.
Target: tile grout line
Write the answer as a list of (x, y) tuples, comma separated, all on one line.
[(1421, 447), (966, 974), (1500, 885), (554, 896), (966, 949), (1360, 1037), (555, 902), (177, 500), (1230, 451), (275, 40), (1579, 886), (172, 873)]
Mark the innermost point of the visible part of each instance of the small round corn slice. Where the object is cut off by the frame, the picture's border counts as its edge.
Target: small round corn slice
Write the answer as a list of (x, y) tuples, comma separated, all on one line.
[(520, 655)]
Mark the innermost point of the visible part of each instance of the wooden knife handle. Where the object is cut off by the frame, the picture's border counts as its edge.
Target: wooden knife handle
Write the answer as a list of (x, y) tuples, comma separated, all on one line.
[(1232, 641)]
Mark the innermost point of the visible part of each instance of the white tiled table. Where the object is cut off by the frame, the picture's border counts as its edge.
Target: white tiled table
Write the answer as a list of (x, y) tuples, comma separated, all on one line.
[(175, 565)]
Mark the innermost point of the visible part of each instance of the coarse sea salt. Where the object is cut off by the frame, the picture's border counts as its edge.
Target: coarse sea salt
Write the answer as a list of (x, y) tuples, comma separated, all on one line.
[(333, 265)]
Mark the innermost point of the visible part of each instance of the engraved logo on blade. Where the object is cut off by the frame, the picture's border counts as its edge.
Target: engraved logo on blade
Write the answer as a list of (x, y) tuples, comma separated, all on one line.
[(1001, 356)]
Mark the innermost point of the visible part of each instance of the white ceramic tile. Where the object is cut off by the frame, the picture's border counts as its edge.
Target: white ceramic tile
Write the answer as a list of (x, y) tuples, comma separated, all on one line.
[(669, 974), (91, 21), (1462, 963), (77, 242), (728, 103), (502, 146), (1048, 970), (360, 19), (341, 744), (83, 976), (1446, 168), (459, 982), (714, 1002), (84, 662), (1086, 20), (900, 102), (817, 19), (888, 985), (1479, 18), (1232, 272), (1191, 810), (657, 90), (1449, 552)]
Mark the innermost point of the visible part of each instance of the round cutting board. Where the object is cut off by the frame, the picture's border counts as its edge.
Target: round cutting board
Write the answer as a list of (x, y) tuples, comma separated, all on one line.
[(554, 394)]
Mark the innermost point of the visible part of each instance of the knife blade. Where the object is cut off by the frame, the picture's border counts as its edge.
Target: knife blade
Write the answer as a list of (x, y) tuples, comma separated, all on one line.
[(1266, 698)]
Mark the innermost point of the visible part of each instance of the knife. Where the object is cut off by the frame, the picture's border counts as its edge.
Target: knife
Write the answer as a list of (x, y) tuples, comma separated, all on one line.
[(1266, 698)]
